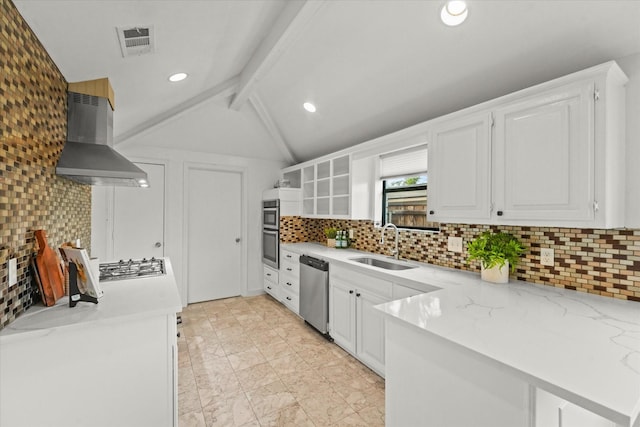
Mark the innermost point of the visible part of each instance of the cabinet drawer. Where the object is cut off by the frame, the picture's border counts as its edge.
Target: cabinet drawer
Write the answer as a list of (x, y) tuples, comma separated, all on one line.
[(270, 274), (290, 283), (291, 300), (360, 280), (271, 289), (290, 267), (286, 255)]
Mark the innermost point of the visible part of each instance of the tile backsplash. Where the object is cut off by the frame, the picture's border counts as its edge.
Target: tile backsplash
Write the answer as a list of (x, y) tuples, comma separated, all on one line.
[(32, 134), (603, 262)]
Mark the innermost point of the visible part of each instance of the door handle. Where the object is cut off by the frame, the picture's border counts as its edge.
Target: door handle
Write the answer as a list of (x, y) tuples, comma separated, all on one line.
[(237, 239), (158, 244)]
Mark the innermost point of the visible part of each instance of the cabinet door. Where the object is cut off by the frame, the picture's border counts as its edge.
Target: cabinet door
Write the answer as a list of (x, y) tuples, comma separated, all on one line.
[(544, 156), (552, 411), (370, 330), (459, 169), (342, 315)]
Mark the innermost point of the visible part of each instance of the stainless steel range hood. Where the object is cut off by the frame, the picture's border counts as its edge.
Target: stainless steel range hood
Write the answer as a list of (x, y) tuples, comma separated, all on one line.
[(88, 156)]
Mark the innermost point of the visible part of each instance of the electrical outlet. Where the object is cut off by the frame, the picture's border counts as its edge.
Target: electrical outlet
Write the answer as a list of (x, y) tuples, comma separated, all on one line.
[(13, 272), (546, 256), (454, 244)]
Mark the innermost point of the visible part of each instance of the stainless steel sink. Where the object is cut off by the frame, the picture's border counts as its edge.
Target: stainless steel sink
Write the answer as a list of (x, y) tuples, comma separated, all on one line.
[(380, 263)]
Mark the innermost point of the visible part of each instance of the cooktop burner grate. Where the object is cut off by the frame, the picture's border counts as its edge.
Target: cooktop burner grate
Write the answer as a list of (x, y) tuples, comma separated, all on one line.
[(131, 269)]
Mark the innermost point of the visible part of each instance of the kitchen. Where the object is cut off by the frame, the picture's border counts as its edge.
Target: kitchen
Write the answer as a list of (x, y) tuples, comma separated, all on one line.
[(253, 140)]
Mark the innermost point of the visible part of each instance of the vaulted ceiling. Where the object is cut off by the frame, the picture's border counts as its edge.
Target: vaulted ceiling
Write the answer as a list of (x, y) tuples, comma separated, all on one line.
[(371, 67)]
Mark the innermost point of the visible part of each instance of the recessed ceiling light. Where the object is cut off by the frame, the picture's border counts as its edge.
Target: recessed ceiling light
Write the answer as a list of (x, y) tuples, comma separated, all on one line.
[(454, 12), (309, 107), (177, 77)]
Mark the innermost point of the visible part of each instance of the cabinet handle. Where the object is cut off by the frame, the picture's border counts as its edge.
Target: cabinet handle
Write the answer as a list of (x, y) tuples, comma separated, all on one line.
[(288, 283), (288, 269), (269, 287), (288, 256), (289, 298), (358, 294), (499, 213), (432, 212), (350, 292), (268, 274)]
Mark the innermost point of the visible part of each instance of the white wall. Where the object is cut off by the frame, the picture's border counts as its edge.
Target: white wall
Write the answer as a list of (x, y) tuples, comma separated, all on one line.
[(260, 175), (631, 66)]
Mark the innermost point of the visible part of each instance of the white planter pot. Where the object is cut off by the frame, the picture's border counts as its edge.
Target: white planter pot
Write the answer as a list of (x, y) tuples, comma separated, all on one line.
[(495, 274)]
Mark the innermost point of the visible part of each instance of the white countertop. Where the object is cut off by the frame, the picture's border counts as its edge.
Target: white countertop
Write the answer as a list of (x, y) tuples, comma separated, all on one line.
[(583, 348), (122, 300)]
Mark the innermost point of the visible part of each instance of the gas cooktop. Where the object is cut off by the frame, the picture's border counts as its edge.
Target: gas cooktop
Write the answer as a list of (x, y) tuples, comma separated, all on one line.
[(131, 269)]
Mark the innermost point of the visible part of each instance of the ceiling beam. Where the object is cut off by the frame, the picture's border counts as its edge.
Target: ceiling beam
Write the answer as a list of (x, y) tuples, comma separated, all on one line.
[(295, 16), (224, 89), (271, 127)]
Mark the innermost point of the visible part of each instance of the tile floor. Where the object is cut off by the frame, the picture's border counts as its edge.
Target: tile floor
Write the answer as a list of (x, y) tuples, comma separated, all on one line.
[(251, 362)]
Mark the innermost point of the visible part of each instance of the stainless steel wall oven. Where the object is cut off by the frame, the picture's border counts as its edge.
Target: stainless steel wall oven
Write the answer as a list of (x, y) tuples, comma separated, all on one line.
[(271, 233)]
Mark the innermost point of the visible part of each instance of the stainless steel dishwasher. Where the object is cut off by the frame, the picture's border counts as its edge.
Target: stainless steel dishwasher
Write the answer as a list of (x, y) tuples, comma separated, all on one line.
[(314, 292)]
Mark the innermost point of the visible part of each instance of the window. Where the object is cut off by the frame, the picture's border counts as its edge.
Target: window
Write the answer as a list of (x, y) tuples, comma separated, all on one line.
[(404, 189)]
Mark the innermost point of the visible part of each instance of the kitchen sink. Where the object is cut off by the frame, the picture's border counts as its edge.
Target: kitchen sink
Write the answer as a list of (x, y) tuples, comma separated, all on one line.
[(380, 263)]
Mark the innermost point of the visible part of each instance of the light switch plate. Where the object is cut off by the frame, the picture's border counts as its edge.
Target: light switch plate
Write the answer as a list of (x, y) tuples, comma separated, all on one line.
[(13, 272), (454, 244), (546, 256)]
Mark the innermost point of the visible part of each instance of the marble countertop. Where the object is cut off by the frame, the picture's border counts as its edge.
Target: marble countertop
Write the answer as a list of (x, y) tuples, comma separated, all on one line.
[(123, 300), (583, 348)]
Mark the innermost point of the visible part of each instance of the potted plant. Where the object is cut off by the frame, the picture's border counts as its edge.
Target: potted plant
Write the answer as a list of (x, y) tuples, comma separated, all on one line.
[(498, 253), (330, 234)]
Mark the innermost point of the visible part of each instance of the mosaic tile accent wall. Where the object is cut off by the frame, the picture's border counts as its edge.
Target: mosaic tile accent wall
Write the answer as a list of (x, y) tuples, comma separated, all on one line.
[(32, 134), (603, 262)]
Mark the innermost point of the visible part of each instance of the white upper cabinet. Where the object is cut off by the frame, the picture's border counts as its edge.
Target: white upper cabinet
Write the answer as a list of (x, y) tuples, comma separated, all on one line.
[(544, 156), (551, 155), (460, 168), (326, 187)]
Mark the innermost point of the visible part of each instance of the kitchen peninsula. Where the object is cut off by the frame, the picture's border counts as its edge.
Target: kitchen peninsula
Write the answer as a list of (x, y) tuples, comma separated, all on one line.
[(112, 363), (512, 355), (463, 352)]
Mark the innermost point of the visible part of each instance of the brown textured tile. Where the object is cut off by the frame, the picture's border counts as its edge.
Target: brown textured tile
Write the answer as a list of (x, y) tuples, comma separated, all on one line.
[(591, 255)]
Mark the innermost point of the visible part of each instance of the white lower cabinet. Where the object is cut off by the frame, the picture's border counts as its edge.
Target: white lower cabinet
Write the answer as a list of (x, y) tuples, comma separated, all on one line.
[(289, 280), (353, 322), (552, 411), (270, 281)]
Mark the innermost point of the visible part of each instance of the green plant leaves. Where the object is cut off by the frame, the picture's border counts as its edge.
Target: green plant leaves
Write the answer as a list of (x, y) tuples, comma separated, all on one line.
[(494, 249)]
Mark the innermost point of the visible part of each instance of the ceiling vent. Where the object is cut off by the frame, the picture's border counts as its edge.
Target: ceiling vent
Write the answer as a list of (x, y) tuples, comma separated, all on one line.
[(135, 41)]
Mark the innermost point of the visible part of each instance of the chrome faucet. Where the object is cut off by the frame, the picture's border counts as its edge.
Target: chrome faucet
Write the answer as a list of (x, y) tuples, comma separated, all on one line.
[(395, 253)]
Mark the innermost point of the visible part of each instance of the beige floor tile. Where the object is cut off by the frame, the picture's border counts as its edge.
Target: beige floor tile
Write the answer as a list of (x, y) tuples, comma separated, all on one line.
[(275, 349), (212, 366), (305, 384), (288, 364), (374, 416), (237, 345), (250, 362), (291, 416), (230, 410), (246, 359), (201, 348), (359, 394), (354, 420), (256, 376), (326, 408), (192, 419), (216, 385), (189, 401), (270, 398)]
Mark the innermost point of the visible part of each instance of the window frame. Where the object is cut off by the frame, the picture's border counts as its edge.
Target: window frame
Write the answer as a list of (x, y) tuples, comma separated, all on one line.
[(386, 190)]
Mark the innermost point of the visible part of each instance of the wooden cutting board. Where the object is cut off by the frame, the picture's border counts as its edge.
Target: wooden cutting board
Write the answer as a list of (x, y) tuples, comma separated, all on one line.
[(51, 274)]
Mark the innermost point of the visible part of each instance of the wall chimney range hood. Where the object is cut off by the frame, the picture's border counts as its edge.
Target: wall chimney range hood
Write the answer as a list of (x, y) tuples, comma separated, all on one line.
[(88, 156)]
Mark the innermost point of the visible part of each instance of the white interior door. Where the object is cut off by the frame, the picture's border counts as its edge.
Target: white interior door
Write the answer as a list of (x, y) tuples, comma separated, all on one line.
[(214, 221), (138, 219)]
